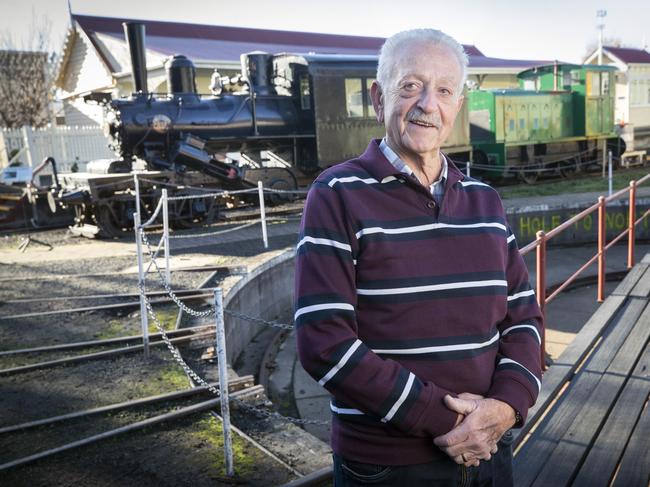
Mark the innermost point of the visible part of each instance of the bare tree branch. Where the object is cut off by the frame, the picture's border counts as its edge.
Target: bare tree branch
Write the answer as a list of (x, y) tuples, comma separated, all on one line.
[(27, 72)]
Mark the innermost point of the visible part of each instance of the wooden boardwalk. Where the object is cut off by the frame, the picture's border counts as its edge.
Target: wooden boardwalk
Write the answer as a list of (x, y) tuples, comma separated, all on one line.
[(591, 424)]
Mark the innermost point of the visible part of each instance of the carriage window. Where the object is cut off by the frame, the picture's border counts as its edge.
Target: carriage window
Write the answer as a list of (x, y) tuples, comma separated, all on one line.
[(371, 109), (305, 94), (353, 97), (566, 80)]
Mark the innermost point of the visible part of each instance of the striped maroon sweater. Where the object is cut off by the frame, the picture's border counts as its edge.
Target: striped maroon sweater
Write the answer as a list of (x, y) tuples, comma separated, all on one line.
[(399, 302)]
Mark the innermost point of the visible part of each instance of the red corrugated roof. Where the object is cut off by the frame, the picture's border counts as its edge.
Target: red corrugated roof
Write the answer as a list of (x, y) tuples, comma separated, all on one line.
[(629, 55), (205, 37)]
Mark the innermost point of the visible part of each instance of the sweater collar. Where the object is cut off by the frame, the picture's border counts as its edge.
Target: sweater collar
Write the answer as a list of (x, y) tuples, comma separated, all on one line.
[(375, 163)]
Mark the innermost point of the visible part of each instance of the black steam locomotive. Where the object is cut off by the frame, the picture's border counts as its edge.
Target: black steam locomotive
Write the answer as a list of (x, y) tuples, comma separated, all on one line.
[(285, 117)]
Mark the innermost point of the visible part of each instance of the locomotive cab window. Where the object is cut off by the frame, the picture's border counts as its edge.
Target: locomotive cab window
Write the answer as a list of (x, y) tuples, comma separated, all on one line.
[(357, 98), (593, 87), (305, 93), (353, 98), (605, 84)]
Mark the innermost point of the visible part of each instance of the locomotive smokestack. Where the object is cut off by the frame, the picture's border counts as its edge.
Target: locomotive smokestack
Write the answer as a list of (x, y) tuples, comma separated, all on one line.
[(134, 33), (257, 67)]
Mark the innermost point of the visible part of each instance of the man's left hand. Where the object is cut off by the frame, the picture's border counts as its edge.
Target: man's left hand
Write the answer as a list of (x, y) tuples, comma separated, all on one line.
[(475, 438)]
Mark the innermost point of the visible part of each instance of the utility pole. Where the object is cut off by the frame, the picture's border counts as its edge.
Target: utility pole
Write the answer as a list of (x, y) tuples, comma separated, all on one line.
[(600, 15)]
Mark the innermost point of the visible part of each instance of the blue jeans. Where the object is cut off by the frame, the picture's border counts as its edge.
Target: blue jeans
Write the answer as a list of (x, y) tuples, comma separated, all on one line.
[(497, 472)]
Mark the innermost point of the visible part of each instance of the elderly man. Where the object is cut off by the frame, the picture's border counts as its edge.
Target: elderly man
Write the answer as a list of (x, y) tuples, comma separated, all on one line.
[(413, 307)]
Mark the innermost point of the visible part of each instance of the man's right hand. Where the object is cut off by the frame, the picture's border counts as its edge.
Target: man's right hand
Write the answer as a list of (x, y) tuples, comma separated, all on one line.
[(476, 436)]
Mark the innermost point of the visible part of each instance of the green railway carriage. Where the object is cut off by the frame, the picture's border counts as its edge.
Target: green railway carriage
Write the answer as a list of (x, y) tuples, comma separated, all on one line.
[(560, 120)]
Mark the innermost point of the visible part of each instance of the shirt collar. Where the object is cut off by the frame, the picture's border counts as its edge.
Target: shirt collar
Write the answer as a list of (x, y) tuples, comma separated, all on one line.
[(402, 167)]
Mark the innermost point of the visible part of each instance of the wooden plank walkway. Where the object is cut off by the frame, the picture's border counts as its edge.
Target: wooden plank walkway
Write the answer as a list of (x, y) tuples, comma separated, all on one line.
[(591, 424)]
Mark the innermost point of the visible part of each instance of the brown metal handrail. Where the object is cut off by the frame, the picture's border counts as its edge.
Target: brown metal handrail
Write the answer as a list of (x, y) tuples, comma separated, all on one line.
[(542, 238)]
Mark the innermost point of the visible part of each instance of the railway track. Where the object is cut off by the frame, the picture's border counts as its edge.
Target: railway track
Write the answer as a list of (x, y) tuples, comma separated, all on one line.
[(242, 389)]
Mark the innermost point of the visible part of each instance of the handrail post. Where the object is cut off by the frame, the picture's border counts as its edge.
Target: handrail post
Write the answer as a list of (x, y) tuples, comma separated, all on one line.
[(631, 225), (540, 277), (601, 249)]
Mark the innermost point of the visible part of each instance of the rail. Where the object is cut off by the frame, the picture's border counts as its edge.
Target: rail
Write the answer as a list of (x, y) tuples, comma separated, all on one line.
[(601, 206)]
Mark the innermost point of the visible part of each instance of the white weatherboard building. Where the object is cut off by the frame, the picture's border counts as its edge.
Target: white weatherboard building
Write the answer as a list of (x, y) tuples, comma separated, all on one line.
[(632, 88)]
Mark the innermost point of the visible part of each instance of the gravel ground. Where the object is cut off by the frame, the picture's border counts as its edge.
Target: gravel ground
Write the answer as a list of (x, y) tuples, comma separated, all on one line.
[(185, 452)]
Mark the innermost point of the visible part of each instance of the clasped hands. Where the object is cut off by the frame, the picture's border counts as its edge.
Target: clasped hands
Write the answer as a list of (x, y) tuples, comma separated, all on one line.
[(481, 423)]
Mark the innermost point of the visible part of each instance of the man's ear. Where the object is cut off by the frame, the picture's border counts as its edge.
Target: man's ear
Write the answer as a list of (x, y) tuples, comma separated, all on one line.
[(377, 97)]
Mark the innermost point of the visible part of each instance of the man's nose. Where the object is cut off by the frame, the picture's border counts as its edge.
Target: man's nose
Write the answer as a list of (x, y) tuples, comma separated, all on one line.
[(428, 101)]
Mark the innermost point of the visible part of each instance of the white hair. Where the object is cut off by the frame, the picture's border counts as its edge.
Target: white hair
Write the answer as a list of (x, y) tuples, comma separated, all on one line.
[(431, 36)]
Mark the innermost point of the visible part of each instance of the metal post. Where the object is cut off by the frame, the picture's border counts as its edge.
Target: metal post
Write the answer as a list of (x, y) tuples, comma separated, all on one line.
[(540, 277), (223, 380), (601, 249), (631, 225), (260, 190), (604, 164), (144, 318), (609, 172), (165, 209), (137, 194), (27, 143)]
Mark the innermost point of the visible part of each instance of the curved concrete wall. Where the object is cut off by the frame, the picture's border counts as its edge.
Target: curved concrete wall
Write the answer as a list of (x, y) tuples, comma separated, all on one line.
[(266, 292)]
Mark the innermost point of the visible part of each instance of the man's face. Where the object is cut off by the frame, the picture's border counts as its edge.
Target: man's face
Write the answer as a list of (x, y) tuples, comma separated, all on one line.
[(420, 103)]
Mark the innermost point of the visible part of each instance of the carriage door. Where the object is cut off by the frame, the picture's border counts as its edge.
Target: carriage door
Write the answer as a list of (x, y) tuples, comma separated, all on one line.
[(593, 104)]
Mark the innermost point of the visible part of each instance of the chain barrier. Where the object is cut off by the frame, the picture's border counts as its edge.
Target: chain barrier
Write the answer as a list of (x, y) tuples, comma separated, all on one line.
[(201, 314), (166, 285), (212, 234), (264, 413), (261, 321), (211, 195)]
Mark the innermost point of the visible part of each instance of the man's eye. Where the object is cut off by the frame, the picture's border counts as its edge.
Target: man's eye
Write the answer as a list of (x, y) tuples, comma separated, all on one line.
[(445, 91), (410, 86)]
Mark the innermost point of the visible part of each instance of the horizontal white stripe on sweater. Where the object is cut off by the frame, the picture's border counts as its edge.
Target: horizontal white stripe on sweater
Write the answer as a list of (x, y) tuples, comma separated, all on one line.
[(516, 327), (400, 400), (473, 183), (427, 227), (521, 294), (437, 349), (432, 287), (324, 241), (354, 179), (510, 361), (338, 410), (511, 238), (332, 372), (320, 307)]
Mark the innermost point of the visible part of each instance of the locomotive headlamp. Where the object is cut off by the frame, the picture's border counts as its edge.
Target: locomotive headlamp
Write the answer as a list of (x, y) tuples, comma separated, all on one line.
[(161, 123)]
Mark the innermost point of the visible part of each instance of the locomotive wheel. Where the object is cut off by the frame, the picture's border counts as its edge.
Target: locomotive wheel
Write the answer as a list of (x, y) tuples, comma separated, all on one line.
[(274, 178), (569, 168), (113, 220), (530, 174), (194, 213)]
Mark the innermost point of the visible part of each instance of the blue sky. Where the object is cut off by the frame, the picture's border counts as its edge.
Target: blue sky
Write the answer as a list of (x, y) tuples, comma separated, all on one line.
[(524, 29)]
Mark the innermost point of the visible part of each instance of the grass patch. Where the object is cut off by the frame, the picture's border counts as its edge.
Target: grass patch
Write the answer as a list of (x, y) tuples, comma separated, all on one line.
[(246, 458), (583, 184)]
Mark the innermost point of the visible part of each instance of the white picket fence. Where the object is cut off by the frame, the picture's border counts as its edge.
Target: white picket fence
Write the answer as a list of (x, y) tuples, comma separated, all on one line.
[(66, 144)]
